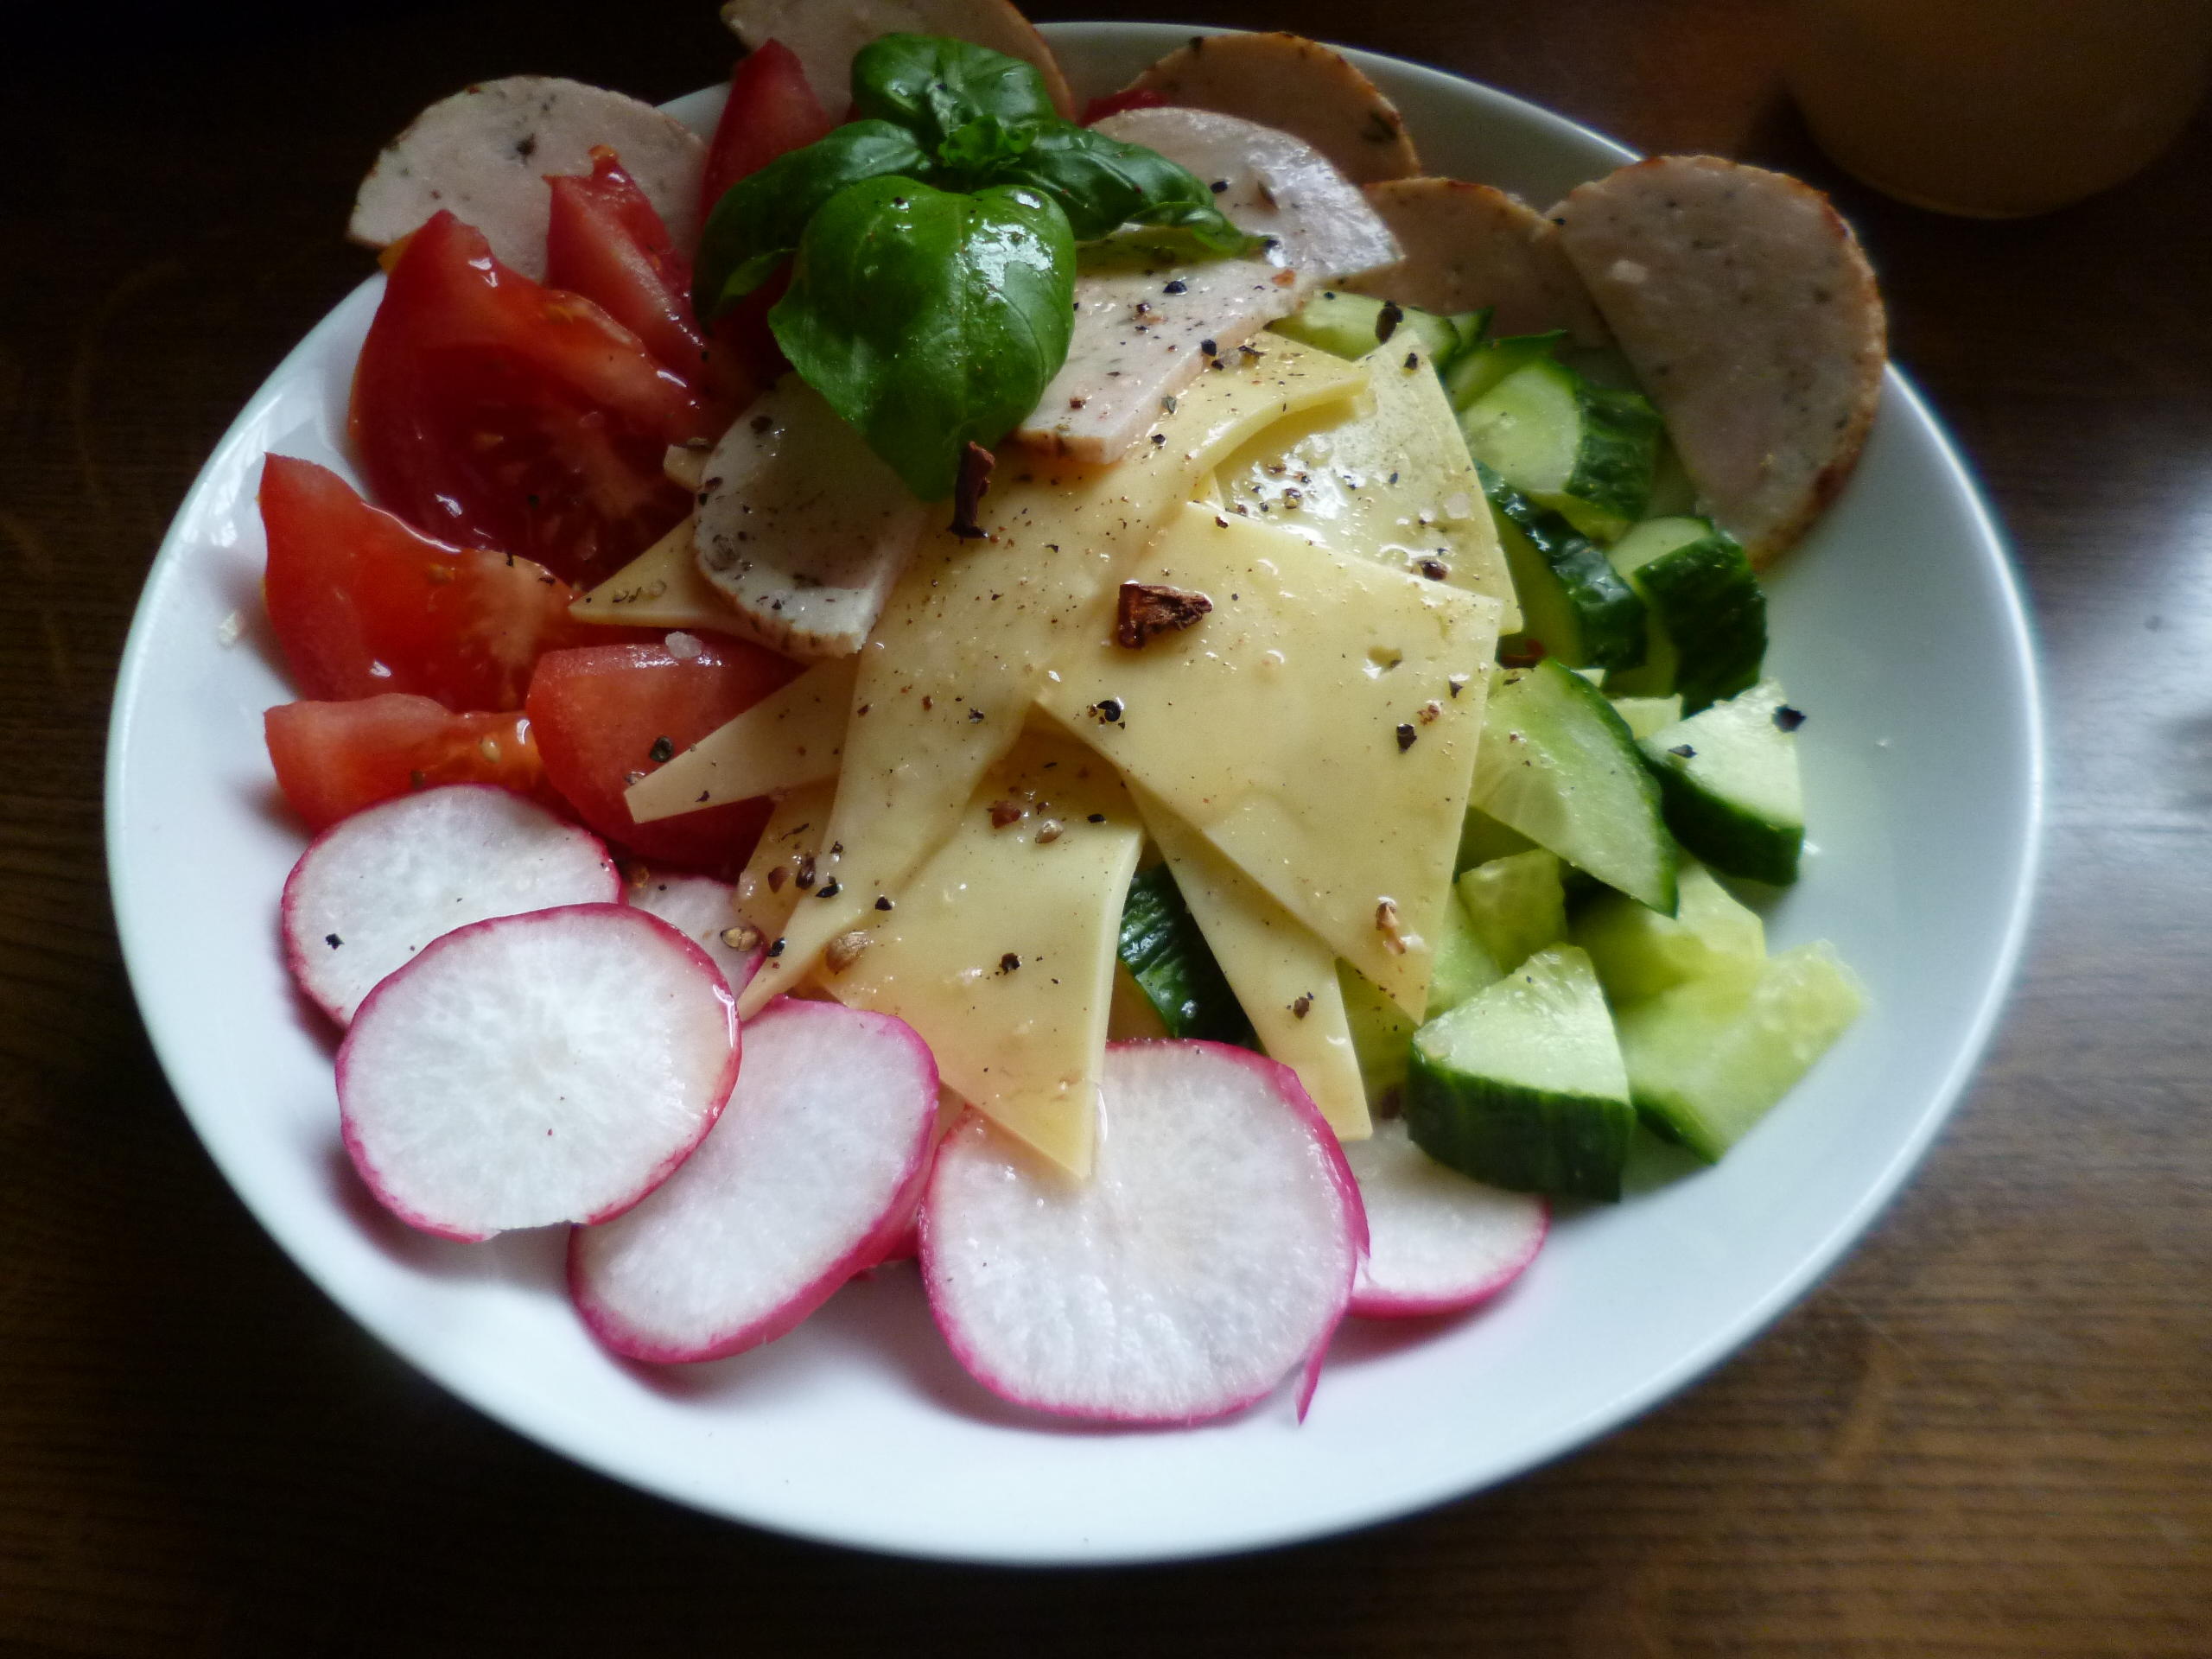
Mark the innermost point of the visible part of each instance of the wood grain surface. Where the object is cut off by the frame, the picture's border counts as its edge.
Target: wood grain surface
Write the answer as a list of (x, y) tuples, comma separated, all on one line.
[(1990, 1432)]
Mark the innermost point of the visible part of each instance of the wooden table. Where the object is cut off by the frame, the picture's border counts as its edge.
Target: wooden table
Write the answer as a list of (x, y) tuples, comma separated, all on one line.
[(1989, 1433)]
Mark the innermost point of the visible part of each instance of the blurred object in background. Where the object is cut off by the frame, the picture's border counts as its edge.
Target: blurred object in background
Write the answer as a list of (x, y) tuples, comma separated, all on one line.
[(1997, 109)]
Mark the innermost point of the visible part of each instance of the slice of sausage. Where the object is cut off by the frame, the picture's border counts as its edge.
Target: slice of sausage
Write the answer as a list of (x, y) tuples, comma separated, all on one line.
[(485, 153), (1306, 89), (1146, 326), (801, 526), (1748, 311), (826, 33), (1467, 246)]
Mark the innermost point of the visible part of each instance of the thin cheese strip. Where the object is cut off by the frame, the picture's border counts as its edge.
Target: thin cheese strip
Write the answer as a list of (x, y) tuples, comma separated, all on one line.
[(1000, 950), (1394, 482), (793, 736), (1284, 976), (782, 868), (1318, 728), (660, 588), (949, 675)]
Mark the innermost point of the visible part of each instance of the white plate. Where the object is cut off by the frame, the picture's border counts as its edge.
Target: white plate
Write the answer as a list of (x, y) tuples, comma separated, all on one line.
[(1898, 625)]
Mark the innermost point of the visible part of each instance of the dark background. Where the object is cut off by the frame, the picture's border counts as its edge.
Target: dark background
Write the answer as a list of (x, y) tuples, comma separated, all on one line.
[(1987, 1433)]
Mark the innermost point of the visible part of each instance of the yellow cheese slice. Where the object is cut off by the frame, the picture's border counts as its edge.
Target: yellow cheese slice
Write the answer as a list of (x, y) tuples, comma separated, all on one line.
[(1000, 950), (795, 736), (1394, 484), (660, 588), (949, 675), (1284, 976), (1318, 726), (782, 866)]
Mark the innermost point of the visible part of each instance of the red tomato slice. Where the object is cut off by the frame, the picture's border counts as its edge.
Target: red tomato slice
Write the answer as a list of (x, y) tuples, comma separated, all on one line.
[(1114, 103), (771, 111), (605, 241), (493, 412), (334, 758), (363, 605), (605, 715)]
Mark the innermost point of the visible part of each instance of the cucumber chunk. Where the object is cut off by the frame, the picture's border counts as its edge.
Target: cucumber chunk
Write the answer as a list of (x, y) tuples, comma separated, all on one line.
[(1556, 764), (1575, 606), (1483, 838), (1382, 1036), (1464, 963), (1481, 367), (1588, 452), (1167, 956), (1473, 330), (1352, 325), (1644, 716), (1707, 1059), (1705, 615), (1515, 906), (1730, 785), (1639, 953), (1522, 1086)]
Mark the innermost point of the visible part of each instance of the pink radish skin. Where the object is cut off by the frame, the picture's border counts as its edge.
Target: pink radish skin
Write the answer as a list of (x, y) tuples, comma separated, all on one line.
[(384, 881), (1210, 1254), (1438, 1241), (811, 1175), (699, 908), (524, 1071)]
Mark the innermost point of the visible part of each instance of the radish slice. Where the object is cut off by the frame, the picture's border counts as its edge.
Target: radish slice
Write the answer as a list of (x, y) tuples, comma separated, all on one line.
[(811, 1175), (374, 888), (1437, 1241), (699, 908), (536, 1068), (1209, 1255)]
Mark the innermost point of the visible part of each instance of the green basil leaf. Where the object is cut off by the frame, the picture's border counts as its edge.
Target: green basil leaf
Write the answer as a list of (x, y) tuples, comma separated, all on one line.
[(928, 319), (1103, 184), (933, 86), (759, 219), (981, 152)]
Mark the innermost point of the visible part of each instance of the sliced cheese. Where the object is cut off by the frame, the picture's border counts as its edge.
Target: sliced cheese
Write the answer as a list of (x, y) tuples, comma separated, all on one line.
[(948, 676), (782, 866), (1284, 975), (1000, 950), (793, 736), (1318, 726), (1396, 483), (662, 587)]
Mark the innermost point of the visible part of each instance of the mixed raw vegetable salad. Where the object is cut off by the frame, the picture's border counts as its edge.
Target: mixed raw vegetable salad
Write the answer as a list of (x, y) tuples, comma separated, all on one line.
[(1159, 709)]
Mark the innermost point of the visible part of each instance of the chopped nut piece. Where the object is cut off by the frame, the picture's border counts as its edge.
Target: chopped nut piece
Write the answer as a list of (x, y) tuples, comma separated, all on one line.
[(1303, 1007), (1051, 830), (744, 936), (1431, 712), (844, 950), (1146, 610), (1006, 812), (1386, 923)]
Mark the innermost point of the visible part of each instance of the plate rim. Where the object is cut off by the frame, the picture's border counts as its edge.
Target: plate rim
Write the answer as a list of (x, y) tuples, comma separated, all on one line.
[(134, 931)]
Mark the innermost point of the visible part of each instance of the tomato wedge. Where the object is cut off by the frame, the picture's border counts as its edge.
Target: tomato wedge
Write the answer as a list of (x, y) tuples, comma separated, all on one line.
[(605, 241), (491, 411), (334, 758), (771, 111), (363, 605), (1114, 103), (605, 715)]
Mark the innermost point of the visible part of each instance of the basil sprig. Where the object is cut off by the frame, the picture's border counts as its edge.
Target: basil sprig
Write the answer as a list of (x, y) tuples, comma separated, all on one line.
[(984, 305), (934, 246)]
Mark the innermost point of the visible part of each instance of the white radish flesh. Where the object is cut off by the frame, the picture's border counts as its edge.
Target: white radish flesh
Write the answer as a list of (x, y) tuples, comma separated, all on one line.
[(809, 1176), (530, 1070), (1436, 1240), (376, 887), (1209, 1255), (699, 908)]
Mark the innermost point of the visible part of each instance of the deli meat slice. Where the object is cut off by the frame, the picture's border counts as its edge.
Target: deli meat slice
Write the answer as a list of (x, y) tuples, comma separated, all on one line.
[(1306, 89), (826, 33), (1743, 304), (801, 527), (1468, 246), (485, 151), (1146, 326)]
